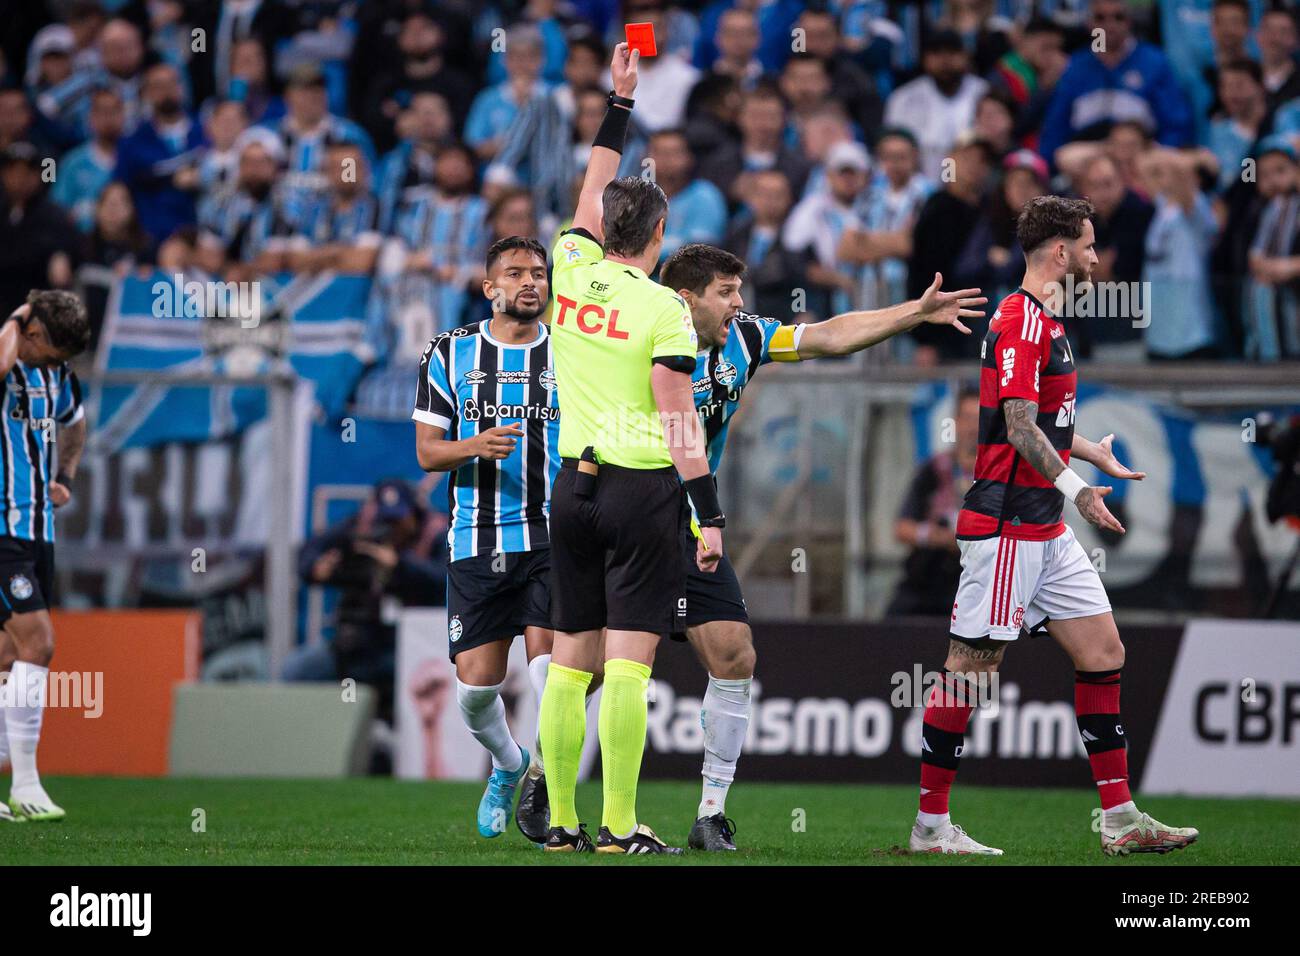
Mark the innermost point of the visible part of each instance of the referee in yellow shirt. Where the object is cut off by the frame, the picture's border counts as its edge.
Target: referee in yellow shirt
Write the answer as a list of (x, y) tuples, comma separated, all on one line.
[(624, 350)]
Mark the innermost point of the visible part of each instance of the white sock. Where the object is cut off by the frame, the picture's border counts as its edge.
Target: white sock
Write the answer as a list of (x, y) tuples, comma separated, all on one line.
[(1120, 814), (4, 737), (537, 677), (725, 718), (484, 714), (23, 721), (933, 821)]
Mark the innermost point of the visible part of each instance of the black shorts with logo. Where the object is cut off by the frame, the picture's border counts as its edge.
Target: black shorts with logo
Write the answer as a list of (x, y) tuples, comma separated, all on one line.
[(713, 596), (493, 597), (26, 576), (616, 556)]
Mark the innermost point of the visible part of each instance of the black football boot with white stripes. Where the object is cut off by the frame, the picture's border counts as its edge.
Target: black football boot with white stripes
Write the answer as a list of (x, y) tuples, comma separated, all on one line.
[(560, 840), (642, 841)]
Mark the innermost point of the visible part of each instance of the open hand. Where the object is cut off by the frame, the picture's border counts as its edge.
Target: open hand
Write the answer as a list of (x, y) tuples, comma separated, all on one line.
[(949, 308)]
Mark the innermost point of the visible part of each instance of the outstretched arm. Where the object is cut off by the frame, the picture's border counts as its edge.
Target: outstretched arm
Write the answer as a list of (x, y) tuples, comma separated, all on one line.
[(854, 331), (1099, 453), (1028, 439), (606, 155)]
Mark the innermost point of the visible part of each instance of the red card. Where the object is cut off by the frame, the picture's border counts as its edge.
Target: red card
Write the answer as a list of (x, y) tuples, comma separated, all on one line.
[(641, 36)]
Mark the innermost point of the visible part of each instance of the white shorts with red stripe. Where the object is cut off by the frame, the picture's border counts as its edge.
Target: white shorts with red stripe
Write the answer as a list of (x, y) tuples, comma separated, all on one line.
[(1009, 585)]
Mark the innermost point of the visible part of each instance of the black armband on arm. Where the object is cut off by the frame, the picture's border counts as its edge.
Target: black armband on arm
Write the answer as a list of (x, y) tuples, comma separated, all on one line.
[(704, 496), (677, 363), (613, 129)]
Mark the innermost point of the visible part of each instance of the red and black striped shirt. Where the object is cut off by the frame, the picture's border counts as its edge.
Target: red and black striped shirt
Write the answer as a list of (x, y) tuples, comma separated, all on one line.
[(1025, 355)]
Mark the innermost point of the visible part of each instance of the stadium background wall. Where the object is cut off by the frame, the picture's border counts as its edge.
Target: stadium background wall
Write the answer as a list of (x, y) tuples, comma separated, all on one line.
[(822, 708)]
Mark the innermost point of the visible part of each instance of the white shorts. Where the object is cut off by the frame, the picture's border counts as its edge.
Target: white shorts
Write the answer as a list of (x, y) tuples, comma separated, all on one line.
[(1007, 585)]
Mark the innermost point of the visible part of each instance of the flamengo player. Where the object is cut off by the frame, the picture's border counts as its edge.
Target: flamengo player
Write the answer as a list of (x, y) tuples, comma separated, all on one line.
[(1021, 565)]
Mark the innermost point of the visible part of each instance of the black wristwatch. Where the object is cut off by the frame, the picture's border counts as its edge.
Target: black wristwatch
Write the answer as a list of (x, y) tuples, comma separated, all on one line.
[(615, 100), (720, 521)]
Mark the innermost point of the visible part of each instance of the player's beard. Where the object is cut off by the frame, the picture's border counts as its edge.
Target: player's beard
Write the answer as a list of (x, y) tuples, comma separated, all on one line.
[(1079, 270), (521, 313)]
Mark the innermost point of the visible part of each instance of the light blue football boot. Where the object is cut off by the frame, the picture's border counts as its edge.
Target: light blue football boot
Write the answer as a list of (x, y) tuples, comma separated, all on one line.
[(498, 803)]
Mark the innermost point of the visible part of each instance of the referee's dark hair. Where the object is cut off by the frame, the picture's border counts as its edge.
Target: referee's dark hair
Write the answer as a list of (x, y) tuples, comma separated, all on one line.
[(1051, 217), (64, 318), (633, 207), (510, 243), (695, 265)]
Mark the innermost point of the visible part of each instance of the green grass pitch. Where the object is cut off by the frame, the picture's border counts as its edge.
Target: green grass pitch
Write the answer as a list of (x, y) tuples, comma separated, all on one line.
[(380, 821)]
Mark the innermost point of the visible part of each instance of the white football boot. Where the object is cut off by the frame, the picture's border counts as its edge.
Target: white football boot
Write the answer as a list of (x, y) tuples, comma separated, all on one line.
[(948, 838)]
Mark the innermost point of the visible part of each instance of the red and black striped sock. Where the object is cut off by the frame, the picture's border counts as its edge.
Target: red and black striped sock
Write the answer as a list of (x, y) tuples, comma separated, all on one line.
[(943, 734), (1096, 706)]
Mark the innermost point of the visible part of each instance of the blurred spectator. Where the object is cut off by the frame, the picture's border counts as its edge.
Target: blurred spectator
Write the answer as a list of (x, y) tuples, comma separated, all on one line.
[(250, 82), (18, 123), (817, 224), (49, 64), (776, 18), (552, 22), (774, 274), (1229, 33), (83, 172), (341, 233), (392, 549), (406, 173), (697, 212), (983, 32), (446, 235), (762, 146), (851, 86), (305, 131), (806, 85), (496, 107), (1178, 245), (1121, 220), (121, 58), (823, 127), (1243, 121), (1128, 80), (1034, 63), (422, 67), (158, 160), (226, 120), (995, 121), (991, 258), (36, 238), (665, 81), (537, 149), (1126, 143), (1278, 45), (940, 104), (249, 223), (887, 214), (737, 39), (942, 229), (1272, 316), (115, 239), (927, 520), (711, 114), (114, 246)]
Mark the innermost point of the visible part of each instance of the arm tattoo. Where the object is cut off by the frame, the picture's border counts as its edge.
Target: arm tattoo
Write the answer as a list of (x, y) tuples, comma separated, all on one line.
[(981, 655), (1028, 439), (74, 440)]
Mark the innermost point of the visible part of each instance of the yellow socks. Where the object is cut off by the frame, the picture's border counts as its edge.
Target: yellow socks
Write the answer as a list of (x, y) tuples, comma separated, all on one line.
[(562, 726), (622, 742)]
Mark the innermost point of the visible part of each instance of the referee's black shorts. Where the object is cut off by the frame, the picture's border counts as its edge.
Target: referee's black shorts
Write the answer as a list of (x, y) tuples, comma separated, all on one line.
[(616, 556)]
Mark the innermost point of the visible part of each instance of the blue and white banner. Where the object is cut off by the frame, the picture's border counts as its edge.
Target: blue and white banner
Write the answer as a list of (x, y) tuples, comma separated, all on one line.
[(315, 324)]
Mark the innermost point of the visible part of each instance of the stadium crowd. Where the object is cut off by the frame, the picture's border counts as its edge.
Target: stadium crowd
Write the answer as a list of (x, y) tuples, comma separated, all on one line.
[(846, 150)]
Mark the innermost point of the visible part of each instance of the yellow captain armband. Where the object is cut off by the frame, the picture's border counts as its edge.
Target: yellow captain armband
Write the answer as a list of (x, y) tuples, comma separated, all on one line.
[(784, 346)]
